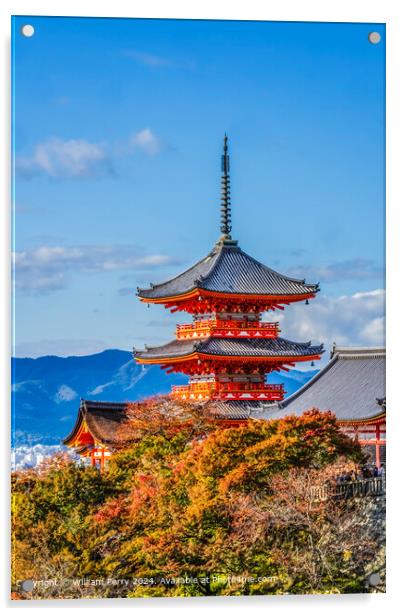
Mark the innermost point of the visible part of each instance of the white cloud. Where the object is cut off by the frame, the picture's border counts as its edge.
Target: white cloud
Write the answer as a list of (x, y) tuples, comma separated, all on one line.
[(353, 269), (148, 59), (100, 389), (154, 61), (47, 268), (146, 141), (65, 394), (374, 330), (350, 320), (58, 159)]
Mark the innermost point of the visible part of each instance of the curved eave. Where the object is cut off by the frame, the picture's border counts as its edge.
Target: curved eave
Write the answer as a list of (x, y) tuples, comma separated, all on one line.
[(87, 431), (190, 285), (200, 292), (243, 358), (363, 420), (78, 426)]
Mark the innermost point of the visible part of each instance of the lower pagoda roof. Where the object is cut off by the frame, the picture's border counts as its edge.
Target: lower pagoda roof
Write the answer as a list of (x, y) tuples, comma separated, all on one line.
[(351, 385), (228, 347)]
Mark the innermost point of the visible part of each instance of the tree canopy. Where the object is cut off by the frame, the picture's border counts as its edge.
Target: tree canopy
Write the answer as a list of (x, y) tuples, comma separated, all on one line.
[(192, 508)]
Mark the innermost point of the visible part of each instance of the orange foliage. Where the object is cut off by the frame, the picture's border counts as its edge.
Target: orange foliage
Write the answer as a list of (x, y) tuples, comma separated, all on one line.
[(163, 416)]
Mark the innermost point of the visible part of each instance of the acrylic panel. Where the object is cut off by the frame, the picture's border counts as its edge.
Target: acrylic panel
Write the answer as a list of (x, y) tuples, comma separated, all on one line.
[(198, 382)]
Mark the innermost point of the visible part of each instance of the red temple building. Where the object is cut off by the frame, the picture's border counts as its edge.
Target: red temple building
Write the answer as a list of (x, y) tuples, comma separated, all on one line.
[(228, 349)]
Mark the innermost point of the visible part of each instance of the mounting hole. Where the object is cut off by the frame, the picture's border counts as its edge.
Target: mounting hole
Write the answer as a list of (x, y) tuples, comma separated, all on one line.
[(28, 30), (374, 38), (374, 579), (27, 585)]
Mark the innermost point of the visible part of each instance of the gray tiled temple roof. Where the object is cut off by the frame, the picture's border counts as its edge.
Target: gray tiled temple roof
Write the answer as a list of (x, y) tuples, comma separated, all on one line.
[(228, 269), (234, 409), (349, 386), (103, 420), (267, 347)]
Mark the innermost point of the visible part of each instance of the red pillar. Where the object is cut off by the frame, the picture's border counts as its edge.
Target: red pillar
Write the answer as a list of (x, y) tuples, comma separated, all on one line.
[(377, 446)]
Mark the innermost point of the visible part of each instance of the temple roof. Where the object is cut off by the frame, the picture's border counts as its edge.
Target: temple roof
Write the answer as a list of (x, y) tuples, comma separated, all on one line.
[(234, 409), (103, 420), (351, 385), (267, 347), (227, 269)]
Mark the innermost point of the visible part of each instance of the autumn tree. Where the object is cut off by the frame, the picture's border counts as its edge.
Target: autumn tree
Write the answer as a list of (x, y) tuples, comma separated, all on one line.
[(183, 496)]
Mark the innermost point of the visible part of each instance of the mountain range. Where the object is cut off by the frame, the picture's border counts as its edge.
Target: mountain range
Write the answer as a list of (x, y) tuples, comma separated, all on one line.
[(46, 391)]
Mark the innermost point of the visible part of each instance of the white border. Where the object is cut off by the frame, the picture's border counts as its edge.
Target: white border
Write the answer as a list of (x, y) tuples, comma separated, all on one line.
[(286, 10)]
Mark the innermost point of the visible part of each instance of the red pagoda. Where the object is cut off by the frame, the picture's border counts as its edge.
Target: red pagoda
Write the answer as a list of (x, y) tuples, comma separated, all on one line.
[(228, 349)]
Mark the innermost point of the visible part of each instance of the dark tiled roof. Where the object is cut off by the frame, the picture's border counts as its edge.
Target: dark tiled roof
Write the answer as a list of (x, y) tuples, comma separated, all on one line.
[(103, 420), (268, 347), (173, 348), (228, 269), (349, 386), (234, 409)]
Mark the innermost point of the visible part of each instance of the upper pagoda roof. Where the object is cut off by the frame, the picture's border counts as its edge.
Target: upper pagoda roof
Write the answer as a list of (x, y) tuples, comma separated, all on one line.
[(230, 347), (228, 269)]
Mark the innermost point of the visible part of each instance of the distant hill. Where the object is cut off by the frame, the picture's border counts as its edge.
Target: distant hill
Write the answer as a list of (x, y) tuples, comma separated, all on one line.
[(46, 391)]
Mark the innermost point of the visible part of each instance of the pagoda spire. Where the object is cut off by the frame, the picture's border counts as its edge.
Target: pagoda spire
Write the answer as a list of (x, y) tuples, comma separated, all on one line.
[(226, 215)]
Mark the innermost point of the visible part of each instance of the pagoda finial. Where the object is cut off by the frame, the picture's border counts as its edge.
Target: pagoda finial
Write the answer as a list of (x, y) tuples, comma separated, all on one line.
[(226, 216)]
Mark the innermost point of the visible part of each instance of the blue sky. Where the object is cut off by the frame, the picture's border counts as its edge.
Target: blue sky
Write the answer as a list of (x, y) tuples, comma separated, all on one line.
[(118, 128)]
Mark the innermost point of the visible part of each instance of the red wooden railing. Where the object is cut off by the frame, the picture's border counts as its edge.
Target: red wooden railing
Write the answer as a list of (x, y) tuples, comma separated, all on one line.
[(228, 391), (227, 329)]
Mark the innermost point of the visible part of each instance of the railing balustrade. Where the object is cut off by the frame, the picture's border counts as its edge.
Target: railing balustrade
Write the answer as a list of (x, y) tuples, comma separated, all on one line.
[(216, 390), (217, 327), (373, 486)]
